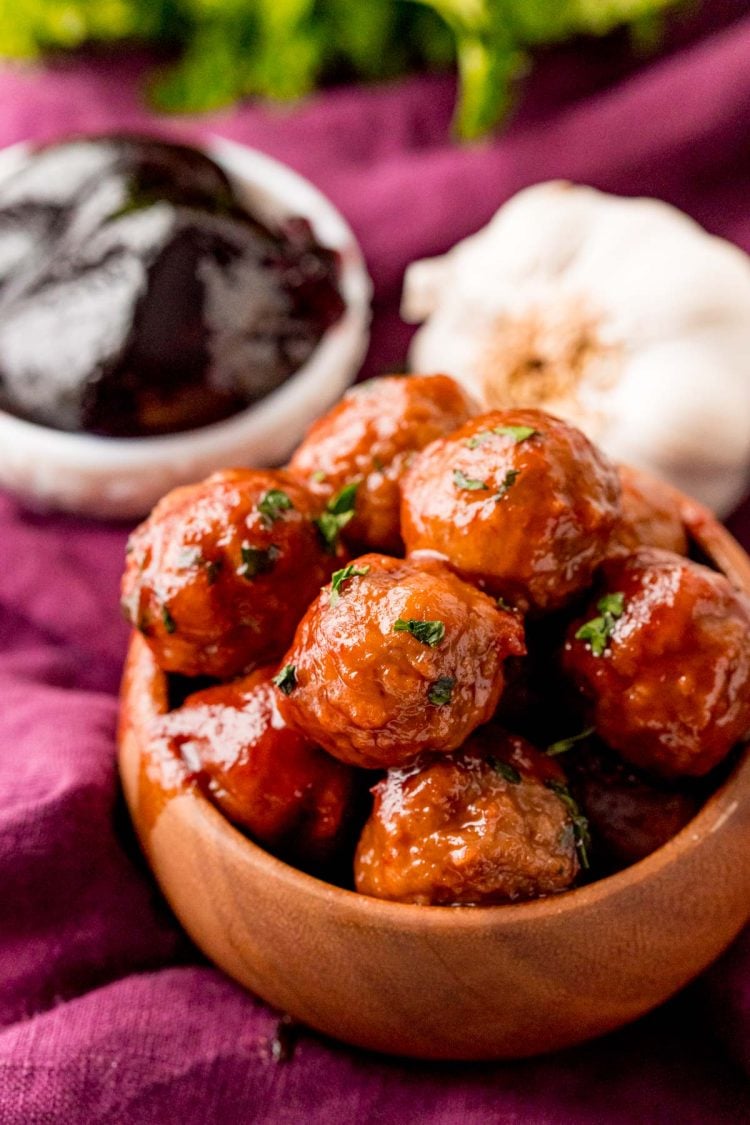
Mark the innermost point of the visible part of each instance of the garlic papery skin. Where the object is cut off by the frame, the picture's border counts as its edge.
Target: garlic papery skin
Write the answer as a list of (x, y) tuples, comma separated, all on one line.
[(621, 315)]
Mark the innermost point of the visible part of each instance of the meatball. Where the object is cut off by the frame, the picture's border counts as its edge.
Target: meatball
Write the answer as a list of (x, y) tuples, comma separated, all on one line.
[(630, 814), (663, 657), (491, 823), (270, 780), (370, 437), (650, 515), (395, 658), (221, 572), (516, 501)]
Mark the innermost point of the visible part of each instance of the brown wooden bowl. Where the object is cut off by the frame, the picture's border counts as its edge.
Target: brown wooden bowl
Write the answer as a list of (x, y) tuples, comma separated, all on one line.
[(443, 982)]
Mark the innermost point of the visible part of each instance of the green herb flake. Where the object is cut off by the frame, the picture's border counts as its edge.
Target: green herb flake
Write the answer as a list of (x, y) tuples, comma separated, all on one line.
[(426, 632), (286, 679), (170, 624), (339, 577), (598, 630), (441, 692), (257, 560), (581, 832), (339, 511), (507, 483), (318, 477), (469, 483), (517, 433), (506, 606), (563, 745), (478, 439), (508, 772), (272, 504)]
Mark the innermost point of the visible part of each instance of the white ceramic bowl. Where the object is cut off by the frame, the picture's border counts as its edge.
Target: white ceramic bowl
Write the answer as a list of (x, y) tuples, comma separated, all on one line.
[(124, 477)]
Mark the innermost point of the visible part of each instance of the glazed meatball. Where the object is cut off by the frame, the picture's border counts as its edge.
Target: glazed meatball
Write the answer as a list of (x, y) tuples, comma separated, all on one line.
[(370, 438), (285, 791), (221, 572), (516, 501), (395, 658), (630, 813), (491, 823), (663, 657), (650, 515)]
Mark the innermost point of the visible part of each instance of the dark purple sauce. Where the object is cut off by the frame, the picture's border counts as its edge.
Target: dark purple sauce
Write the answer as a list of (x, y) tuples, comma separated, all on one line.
[(137, 296)]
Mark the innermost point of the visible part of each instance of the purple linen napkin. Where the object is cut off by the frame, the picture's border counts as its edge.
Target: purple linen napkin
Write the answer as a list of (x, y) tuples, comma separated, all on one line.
[(107, 1013)]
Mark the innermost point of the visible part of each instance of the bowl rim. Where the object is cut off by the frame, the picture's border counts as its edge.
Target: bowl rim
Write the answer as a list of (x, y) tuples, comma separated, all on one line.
[(268, 181), (718, 544)]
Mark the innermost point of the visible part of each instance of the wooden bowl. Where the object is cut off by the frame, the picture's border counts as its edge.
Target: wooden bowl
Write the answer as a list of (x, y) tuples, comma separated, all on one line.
[(443, 982)]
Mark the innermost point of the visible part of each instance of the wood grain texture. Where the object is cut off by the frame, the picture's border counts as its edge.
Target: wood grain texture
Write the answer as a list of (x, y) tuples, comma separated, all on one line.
[(438, 982)]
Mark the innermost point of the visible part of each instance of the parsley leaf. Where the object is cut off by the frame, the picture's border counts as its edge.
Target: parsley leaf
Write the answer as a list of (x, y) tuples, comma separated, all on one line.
[(441, 691), (286, 679), (581, 832), (598, 630), (339, 511), (257, 560), (318, 476), (478, 439), (462, 481), (518, 433), (272, 504), (170, 624), (339, 577), (505, 769), (564, 744), (427, 632), (507, 482)]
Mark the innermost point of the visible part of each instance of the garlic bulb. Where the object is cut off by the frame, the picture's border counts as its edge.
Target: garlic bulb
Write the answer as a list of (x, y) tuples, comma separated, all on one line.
[(621, 315)]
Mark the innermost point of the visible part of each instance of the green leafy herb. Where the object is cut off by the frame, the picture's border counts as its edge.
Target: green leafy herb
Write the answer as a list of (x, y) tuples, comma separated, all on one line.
[(507, 482), (505, 769), (441, 691), (462, 481), (262, 48), (286, 679), (518, 433), (598, 630), (339, 577), (339, 511), (478, 439), (272, 504), (257, 560), (502, 604), (564, 744), (169, 622), (426, 632), (581, 832), (318, 476)]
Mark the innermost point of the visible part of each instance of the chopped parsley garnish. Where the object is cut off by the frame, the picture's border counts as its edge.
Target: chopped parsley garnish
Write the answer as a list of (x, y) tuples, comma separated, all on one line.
[(462, 481), (478, 439), (339, 577), (505, 769), (507, 482), (564, 744), (427, 632), (318, 476), (598, 630), (441, 691), (339, 511), (502, 604), (581, 833), (518, 433), (257, 560), (273, 503), (286, 679), (169, 622)]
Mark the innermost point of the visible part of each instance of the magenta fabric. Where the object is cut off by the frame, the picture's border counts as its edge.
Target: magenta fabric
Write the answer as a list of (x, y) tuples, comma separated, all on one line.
[(107, 1013)]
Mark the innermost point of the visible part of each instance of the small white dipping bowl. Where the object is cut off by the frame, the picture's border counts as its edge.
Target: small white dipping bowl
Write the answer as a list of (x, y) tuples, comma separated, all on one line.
[(122, 478)]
